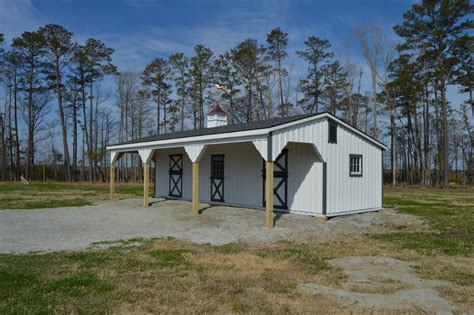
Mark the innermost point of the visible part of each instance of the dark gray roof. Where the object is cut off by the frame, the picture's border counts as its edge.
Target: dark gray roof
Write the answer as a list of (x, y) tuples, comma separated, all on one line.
[(254, 125), (261, 124)]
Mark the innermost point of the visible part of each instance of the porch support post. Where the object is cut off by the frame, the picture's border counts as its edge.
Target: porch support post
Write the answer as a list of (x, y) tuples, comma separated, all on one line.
[(146, 183), (195, 188), (195, 153), (114, 156), (269, 182), (269, 194), (112, 181), (145, 156)]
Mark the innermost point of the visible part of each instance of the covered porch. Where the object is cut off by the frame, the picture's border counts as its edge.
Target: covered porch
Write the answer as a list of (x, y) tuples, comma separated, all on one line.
[(251, 172)]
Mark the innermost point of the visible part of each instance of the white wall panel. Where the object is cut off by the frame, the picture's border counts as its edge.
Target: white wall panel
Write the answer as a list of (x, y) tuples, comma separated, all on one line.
[(243, 176), (344, 193), (162, 166), (243, 170)]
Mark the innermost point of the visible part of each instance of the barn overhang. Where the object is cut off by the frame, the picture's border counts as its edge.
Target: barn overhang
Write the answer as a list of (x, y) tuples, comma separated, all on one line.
[(254, 135)]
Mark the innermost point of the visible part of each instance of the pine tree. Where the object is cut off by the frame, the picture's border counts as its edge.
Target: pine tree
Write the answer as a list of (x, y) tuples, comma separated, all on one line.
[(318, 56), (335, 84), (435, 29), (201, 77), (226, 75), (58, 47), (156, 75), (30, 46), (277, 42), (180, 66)]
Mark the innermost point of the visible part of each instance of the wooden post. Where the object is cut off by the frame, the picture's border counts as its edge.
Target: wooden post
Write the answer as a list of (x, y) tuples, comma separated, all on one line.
[(195, 188), (112, 182), (146, 183), (269, 194)]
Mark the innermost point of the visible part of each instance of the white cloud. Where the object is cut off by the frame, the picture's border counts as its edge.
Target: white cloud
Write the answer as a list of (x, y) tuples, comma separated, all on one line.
[(17, 16)]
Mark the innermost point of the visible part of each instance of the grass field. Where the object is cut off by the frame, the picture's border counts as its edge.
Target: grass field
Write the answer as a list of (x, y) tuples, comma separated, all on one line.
[(55, 195), (167, 275)]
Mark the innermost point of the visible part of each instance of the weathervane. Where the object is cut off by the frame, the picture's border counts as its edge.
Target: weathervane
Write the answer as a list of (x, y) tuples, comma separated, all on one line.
[(220, 90)]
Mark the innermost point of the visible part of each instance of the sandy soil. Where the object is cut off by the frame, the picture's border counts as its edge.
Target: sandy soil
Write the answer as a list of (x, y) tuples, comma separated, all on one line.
[(76, 228), (384, 283)]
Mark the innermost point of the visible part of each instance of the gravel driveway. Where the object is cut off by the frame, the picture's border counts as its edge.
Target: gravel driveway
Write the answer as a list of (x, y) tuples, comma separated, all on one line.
[(76, 228)]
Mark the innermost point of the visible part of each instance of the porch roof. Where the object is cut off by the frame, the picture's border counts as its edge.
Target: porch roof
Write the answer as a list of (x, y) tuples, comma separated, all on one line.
[(261, 126), (254, 125)]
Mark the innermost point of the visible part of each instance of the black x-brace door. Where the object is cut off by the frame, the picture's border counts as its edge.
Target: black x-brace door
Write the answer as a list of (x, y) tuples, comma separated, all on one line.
[(280, 181), (176, 176), (217, 177)]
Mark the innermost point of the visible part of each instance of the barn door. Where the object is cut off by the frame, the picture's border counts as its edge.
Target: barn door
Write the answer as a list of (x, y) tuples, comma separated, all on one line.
[(176, 176), (280, 181), (217, 177)]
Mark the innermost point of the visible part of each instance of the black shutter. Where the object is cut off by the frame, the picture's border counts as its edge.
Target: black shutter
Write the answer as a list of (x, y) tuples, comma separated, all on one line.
[(332, 132)]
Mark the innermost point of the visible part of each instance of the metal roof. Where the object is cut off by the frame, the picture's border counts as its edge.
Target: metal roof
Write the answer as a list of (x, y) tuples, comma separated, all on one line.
[(254, 125), (261, 124), (217, 109)]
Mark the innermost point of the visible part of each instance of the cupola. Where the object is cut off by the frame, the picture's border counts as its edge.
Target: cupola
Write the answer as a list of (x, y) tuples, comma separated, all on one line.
[(217, 116)]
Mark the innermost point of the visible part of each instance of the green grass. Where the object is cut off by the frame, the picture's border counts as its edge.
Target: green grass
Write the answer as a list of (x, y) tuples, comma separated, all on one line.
[(171, 258), (49, 283), (450, 213), (11, 203), (78, 284)]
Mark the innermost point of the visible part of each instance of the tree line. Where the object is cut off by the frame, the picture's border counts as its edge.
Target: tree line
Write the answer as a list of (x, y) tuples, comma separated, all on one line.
[(46, 74)]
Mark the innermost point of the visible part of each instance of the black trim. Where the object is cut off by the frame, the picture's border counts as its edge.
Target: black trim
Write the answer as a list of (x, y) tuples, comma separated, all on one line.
[(325, 190), (270, 146), (383, 169), (361, 164), (332, 133), (217, 179), (155, 193), (280, 177), (175, 178)]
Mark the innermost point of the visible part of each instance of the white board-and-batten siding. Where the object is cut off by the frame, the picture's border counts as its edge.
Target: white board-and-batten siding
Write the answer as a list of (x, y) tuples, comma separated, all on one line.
[(243, 185), (344, 194), (319, 181)]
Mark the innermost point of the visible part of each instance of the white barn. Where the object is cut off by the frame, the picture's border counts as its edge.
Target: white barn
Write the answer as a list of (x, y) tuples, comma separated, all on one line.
[(315, 164)]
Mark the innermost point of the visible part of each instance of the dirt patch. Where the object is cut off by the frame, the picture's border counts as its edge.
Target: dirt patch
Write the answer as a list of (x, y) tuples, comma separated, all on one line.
[(352, 226), (78, 227), (383, 283)]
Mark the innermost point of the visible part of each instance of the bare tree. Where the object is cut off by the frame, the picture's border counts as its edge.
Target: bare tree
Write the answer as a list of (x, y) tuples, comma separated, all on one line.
[(370, 39)]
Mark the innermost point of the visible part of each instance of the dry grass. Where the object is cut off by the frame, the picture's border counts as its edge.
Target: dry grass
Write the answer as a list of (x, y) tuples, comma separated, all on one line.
[(171, 276), (54, 195), (180, 277)]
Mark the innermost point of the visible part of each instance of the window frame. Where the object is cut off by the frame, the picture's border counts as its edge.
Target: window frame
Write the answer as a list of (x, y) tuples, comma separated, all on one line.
[(331, 124), (218, 158), (356, 174)]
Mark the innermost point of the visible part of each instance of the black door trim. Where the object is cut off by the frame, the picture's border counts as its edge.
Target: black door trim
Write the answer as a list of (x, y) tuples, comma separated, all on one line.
[(280, 178), (176, 176), (217, 177)]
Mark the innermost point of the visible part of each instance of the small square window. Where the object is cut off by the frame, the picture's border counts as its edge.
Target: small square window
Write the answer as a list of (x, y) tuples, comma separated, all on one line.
[(332, 132), (355, 165)]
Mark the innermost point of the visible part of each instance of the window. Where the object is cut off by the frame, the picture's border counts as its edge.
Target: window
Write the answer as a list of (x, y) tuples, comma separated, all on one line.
[(332, 132), (355, 165), (217, 166)]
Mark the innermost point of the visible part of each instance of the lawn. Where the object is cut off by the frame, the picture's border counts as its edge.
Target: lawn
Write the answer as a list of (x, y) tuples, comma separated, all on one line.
[(55, 195), (172, 276), (449, 212)]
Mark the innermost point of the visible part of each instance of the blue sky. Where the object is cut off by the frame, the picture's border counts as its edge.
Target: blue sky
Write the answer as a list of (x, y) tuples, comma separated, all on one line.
[(140, 30)]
